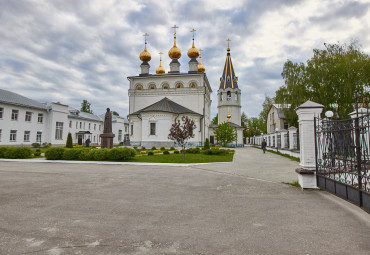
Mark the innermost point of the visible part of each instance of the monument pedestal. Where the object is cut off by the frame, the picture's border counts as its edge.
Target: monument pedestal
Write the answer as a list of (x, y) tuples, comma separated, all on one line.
[(107, 140)]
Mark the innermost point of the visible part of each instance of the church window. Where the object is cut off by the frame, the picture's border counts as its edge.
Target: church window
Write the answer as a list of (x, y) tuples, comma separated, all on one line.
[(152, 128), (152, 86), (193, 85), (165, 86), (139, 87), (228, 96), (132, 129), (179, 85), (228, 78)]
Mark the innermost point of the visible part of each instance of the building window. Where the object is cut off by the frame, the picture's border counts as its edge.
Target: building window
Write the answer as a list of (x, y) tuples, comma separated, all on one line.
[(179, 85), (152, 128), (40, 118), (193, 85), (80, 125), (120, 135), (139, 87), (125, 129), (286, 126), (13, 135), (76, 124), (94, 138), (152, 86), (84, 125), (236, 96), (0, 134), (99, 127), (70, 124), (1, 112), (28, 116), (89, 126), (59, 131), (94, 126), (228, 96), (165, 86), (15, 114), (27, 136), (132, 129), (38, 136)]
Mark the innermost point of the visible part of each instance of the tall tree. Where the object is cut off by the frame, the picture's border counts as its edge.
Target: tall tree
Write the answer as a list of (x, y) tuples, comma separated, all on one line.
[(263, 115), (86, 106), (215, 120), (225, 134), (182, 132)]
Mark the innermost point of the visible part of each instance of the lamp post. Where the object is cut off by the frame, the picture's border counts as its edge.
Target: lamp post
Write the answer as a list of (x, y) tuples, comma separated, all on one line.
[(40, 131)]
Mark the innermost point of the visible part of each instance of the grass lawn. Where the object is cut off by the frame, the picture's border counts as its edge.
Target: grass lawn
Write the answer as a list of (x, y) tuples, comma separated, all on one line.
[(189, 158)]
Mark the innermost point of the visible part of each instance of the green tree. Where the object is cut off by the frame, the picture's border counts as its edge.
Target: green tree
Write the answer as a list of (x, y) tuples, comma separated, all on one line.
[(115, 113), (206, 144), (262, 124), (244, 119), (215, 120), (225, 134), (86, 106), (69, 143)]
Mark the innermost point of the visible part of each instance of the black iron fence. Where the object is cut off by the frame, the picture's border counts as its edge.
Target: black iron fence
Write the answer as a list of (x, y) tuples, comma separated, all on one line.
[(342, 158)]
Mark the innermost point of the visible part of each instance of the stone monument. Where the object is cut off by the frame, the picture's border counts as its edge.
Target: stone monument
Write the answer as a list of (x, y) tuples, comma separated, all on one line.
[(107, 136)]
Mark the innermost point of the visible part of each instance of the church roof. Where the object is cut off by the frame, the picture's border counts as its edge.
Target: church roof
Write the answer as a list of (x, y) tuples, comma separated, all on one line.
[(228, 78), (230, 123), (166, 105), (16, 99)]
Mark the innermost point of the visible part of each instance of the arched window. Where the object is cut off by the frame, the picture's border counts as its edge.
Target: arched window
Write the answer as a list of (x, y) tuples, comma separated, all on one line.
[(165, 86), (228, 96), (221, 96), (152, 86), (228, 78), (193, 85), (139, 87), (236, 96), (179, 85)]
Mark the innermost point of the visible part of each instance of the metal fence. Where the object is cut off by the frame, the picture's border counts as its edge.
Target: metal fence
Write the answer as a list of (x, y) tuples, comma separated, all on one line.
[(342, 158)]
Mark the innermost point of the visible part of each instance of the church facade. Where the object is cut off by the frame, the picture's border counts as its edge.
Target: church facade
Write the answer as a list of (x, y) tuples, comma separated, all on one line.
[(158, 100)]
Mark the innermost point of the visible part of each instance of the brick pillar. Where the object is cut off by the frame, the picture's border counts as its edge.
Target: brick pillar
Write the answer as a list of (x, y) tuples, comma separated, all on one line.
[(292, 131), (283, 133), (306, 113)]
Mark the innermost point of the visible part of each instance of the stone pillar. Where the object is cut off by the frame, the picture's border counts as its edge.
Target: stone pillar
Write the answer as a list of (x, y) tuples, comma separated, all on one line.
[(193, 65), (283, 133), (292, 134), (306, 113), (174, 66), (144, 68)]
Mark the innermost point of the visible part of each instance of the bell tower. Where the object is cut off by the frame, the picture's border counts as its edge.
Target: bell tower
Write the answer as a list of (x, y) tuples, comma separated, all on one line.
[(229, 94)]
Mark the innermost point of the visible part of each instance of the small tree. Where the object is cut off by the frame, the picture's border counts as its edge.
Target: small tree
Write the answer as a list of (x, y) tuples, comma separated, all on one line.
[(115, 113), (206, 144), (69, 143), (181, 133), (225, 134), (86, 106)]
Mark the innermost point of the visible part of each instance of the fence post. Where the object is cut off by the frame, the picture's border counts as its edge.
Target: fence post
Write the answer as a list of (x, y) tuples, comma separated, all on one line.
[(306, 114)]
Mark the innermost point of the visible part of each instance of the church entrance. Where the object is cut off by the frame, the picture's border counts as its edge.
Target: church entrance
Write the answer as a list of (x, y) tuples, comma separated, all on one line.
[(212, 139)]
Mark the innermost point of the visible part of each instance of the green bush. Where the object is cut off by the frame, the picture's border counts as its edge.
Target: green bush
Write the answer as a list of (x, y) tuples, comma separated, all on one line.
[(117, 154), (215, 151), (69, 143), (166, 152), (71, 154), (86, 155), (206, 144), (162, 148), (154, 148), (143, 148), (37, 152), (135, 147), (35, 145), (172, 148), (101, 154), (193, 150), (2, 151), (18, 152), (176, 152), (55, 153), (150, 153)]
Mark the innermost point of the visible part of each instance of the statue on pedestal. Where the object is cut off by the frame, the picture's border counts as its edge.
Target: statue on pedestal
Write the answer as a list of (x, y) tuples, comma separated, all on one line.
[(107, 136)]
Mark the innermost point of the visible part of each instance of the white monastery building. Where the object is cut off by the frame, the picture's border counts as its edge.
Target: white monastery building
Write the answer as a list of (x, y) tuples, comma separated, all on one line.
[(157, 100), (24, 121)]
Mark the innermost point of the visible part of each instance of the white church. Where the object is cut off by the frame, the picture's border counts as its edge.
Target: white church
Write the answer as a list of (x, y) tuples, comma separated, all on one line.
[(157, 100)]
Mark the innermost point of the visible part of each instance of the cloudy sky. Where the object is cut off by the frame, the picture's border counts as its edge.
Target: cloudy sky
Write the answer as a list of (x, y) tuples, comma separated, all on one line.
[(70, 50)]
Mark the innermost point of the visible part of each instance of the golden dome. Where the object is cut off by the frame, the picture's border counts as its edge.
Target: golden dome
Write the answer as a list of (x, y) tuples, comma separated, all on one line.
[(193, 52), (145, 55), (174, 52), (160, 68), (201, 67)]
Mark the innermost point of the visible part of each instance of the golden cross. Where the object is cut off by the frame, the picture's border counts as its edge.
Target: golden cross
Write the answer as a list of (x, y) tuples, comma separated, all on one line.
[(146, 34), (200, 52), (174, 27), (228, 41), (160, 56), (193, 30)]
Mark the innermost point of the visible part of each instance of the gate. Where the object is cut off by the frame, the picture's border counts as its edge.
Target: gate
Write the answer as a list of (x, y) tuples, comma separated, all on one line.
[(342, 158)]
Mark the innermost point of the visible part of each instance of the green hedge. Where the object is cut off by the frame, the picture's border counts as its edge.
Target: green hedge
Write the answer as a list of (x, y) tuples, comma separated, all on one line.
[(115, 154), (15, 152), (193, 150), (166, 152), (216, 151)]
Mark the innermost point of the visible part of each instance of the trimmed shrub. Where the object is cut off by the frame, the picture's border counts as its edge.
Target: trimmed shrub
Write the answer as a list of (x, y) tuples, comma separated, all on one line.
[(117, 154), (154, 148), (166, 152), (206, 144), (176, 152), (143, 148), (100, 155), (193, 150), (142, 152), (55, 153), (37, 152), (86, 154), (135, 147), (69, 143), (163, 149), (215, 151), (172, 148), (157, 151), (18, 152), (71, 154), (35, 145), (150, 153), (2, 151)]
